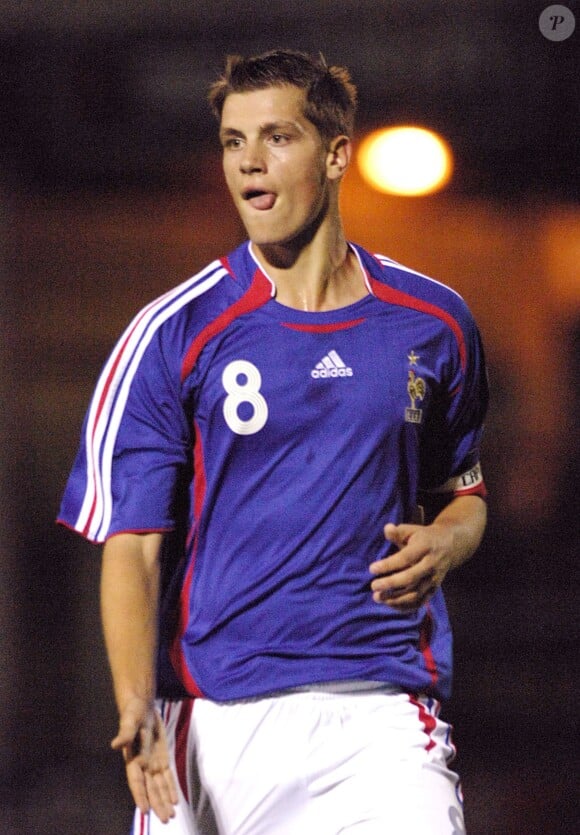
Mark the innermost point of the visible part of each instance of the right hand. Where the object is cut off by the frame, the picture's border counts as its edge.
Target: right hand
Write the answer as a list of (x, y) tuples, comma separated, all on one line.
[(142, 740)]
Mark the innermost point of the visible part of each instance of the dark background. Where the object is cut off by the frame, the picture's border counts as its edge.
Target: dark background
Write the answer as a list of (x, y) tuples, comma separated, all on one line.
[(110, 192)]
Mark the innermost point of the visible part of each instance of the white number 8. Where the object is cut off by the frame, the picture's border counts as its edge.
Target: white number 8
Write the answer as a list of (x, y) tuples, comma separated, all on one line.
[(247, 391)]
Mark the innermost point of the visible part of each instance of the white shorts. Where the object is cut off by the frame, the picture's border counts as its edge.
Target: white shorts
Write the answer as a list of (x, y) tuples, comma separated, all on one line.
[(317, 763)]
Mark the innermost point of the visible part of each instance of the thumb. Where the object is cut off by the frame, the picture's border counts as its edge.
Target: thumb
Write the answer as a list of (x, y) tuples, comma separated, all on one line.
[(398, 534), (126, 734), (130, 723)]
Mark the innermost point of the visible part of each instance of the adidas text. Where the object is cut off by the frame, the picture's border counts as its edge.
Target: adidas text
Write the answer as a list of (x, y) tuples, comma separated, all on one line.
[(330, 372), (331, 366)]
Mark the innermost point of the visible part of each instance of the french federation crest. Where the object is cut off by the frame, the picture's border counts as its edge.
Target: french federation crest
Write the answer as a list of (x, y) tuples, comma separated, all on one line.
[(416, 390)]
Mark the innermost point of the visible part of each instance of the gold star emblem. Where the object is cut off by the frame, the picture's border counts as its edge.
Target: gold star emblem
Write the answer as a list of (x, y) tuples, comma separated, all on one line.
[(413, 358)]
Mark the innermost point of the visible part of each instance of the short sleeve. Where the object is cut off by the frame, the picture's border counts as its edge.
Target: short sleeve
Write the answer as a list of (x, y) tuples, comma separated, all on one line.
[(134, 446), (451, 444)]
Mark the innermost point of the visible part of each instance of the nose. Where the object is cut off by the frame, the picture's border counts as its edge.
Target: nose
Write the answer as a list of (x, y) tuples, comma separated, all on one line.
[(252, 159)]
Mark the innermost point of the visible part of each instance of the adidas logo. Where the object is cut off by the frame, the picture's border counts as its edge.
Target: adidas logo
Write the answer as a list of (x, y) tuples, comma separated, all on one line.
[(331, 366)]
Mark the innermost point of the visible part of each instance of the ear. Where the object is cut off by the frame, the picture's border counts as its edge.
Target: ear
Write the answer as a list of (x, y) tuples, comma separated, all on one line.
[(338, 157)]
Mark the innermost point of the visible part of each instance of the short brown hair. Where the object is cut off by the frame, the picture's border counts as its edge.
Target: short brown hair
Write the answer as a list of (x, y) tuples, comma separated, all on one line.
[(330, 94)]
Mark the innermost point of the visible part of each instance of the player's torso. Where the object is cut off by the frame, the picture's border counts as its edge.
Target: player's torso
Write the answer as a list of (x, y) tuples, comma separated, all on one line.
[(308, 432)]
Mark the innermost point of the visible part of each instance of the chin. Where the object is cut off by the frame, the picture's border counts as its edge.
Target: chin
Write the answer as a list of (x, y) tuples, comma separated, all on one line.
[(274, 244), (264, 238)]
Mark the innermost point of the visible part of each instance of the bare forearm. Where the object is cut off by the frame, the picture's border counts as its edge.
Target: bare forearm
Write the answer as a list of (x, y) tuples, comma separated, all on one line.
[(129, 601), (129, 604), (409, 577), (464, 519)]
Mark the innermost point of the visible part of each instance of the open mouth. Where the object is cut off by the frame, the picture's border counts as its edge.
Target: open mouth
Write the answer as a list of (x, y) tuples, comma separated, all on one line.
[(259, 199)]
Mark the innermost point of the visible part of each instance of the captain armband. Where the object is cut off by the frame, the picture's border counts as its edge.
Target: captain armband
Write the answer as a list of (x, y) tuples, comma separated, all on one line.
[(469, 483)]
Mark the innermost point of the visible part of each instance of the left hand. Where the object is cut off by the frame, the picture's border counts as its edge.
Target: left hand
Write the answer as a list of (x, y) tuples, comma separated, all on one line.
[(407, 579), (142, 740)]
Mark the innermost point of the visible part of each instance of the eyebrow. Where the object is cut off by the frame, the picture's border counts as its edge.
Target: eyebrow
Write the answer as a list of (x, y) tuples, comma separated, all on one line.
[(268, 127)]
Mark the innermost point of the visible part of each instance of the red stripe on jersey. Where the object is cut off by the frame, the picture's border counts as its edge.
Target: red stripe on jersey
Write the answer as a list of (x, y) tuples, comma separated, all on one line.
[(87, 527), (181, 736), (392, 296), (425, 634), (225, 262), (338, 326), (259, 292), (138, 531), (175, 651), (428, 721), (176, 654), (200, 485)]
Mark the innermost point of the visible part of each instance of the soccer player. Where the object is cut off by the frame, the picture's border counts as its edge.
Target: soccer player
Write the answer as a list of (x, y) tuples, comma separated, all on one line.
[(282, 459)]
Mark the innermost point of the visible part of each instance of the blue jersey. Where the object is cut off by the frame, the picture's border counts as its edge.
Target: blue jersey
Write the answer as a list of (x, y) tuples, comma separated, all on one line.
[(273, 445)]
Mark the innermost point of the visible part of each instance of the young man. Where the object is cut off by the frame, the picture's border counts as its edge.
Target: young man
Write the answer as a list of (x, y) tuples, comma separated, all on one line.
[(256, 458)]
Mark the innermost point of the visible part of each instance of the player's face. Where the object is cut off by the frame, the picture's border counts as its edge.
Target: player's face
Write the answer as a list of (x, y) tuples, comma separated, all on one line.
[(275, 162)]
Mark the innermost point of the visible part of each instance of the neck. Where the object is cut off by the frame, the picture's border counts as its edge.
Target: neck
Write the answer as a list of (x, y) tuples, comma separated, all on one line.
[(320, 273)]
